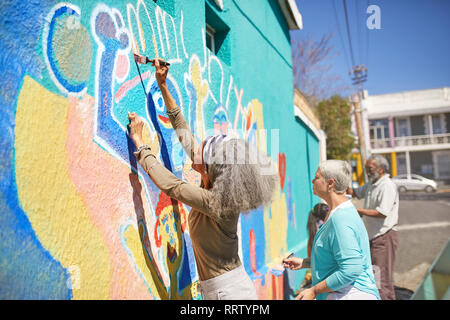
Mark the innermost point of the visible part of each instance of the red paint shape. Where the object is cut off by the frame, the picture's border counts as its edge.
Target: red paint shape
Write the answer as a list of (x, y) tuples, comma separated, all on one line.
[(252, 246), (274, 287), (282, 168), (248, 120), (156, 234)]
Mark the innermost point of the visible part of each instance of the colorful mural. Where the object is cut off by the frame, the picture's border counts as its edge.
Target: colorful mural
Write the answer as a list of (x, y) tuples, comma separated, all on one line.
[(80, 218)]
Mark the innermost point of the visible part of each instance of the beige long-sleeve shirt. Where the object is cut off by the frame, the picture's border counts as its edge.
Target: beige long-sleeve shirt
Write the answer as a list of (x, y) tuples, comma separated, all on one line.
[(214, 240)]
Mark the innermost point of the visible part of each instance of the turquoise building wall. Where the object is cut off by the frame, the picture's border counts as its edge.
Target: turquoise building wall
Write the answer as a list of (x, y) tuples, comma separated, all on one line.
[(80, 219)]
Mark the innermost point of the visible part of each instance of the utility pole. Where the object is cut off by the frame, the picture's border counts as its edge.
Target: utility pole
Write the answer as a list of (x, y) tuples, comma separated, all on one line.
[(359, 75)]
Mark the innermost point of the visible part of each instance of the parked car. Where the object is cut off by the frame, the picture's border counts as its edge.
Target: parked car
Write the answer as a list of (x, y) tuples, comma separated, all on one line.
[(414, 182)]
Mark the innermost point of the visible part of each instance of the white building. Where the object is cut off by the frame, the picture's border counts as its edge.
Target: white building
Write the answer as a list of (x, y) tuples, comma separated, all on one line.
[(412, 128)]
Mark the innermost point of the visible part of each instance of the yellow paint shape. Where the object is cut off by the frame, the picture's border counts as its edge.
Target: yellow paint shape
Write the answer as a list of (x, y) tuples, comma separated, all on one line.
[(256, 109), (276, 227), (155, 47), (47, 195), (201, 88), (141, 35), (143, 263)]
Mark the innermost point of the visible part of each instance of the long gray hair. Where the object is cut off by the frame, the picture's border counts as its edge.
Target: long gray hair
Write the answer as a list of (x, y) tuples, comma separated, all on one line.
[(242, 178)]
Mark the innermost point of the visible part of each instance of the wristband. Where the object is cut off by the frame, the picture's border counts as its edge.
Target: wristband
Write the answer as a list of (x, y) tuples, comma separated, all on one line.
[(144, 146)]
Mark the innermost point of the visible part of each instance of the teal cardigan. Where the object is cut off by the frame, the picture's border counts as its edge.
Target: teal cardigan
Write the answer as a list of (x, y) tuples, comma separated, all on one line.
[(341, 253)]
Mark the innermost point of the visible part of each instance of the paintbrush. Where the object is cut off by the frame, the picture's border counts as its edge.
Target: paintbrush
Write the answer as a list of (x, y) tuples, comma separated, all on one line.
[(144, 60)]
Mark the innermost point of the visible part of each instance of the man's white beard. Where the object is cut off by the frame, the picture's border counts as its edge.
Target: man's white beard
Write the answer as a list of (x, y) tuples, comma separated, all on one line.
[(373, 177)]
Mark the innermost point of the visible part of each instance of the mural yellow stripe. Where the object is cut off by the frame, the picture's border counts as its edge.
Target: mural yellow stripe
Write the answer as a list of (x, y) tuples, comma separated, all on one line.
[(276, 228), (146, 267), (47, 195), (201, 87)]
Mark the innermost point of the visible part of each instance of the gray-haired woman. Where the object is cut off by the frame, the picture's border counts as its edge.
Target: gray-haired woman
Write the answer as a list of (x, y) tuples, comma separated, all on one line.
[(233, 181), (340, 261)]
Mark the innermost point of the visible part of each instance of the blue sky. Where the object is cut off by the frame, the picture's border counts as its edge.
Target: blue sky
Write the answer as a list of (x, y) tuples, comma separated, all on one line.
[(411, 51)]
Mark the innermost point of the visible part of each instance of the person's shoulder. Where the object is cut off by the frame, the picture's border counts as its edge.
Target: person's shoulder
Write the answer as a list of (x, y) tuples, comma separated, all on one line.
[(389, 183), (345, 216)]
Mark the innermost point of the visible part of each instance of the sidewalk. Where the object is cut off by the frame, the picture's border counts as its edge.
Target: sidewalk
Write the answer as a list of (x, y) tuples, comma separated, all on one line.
[(412, 278), (420, 195)]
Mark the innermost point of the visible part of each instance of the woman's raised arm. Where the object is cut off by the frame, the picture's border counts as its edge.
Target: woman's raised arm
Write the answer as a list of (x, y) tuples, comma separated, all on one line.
[(176, 117)]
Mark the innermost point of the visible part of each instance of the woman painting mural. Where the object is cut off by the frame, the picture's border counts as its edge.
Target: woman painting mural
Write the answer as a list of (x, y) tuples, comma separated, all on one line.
[(235, 178)]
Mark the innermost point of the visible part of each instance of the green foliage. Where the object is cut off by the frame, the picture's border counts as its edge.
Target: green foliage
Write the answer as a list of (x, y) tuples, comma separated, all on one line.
[(335, 119)]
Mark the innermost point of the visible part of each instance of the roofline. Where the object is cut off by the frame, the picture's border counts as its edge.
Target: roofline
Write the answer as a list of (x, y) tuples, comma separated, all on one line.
[(291, 14), (406, 91)]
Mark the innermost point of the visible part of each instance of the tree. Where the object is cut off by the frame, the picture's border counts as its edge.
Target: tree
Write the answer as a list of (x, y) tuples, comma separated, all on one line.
[(335, 120), (312, 63)]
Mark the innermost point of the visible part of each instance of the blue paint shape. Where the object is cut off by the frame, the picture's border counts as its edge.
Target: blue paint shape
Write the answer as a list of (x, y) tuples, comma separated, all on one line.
[(71, 87), (254, 220), (188, 268), (27, 270)]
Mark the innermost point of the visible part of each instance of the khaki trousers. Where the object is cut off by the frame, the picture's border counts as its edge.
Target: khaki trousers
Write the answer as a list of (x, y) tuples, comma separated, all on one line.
[(232, 285), (382, 250)]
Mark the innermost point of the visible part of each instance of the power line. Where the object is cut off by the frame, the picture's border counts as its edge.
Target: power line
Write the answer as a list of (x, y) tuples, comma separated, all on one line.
[(358, 72), (340, 34), (367, 43), (348, 33), (358, 28)]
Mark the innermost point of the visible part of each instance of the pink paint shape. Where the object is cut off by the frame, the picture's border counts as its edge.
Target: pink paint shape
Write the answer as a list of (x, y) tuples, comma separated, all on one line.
[(220, 128), (122, 66), (107, 188), (128, 85)]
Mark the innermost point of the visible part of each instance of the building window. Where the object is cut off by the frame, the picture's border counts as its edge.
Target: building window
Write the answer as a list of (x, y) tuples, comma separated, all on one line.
[(217, 33), (437, 124), (210, 41), (402, 125), (380, 129), (401, 164), (379, 133), (441, 162)]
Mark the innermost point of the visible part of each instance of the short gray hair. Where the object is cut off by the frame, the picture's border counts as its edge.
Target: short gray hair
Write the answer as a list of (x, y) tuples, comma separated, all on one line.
[(380, 162), (338, 170)]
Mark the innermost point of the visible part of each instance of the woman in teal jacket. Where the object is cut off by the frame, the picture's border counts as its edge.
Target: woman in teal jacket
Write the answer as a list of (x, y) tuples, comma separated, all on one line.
[(340, 261)]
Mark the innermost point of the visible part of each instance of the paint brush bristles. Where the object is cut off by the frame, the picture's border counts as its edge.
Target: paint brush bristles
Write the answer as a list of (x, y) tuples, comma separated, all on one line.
[(140, 59), (144, 60)]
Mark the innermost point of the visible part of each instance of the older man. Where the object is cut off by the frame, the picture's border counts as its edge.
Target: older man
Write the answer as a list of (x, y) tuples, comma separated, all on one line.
[(380, 215)]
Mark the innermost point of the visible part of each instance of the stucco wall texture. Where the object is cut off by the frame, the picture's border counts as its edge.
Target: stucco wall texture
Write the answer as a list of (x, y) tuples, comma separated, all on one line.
[(80, 219)]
